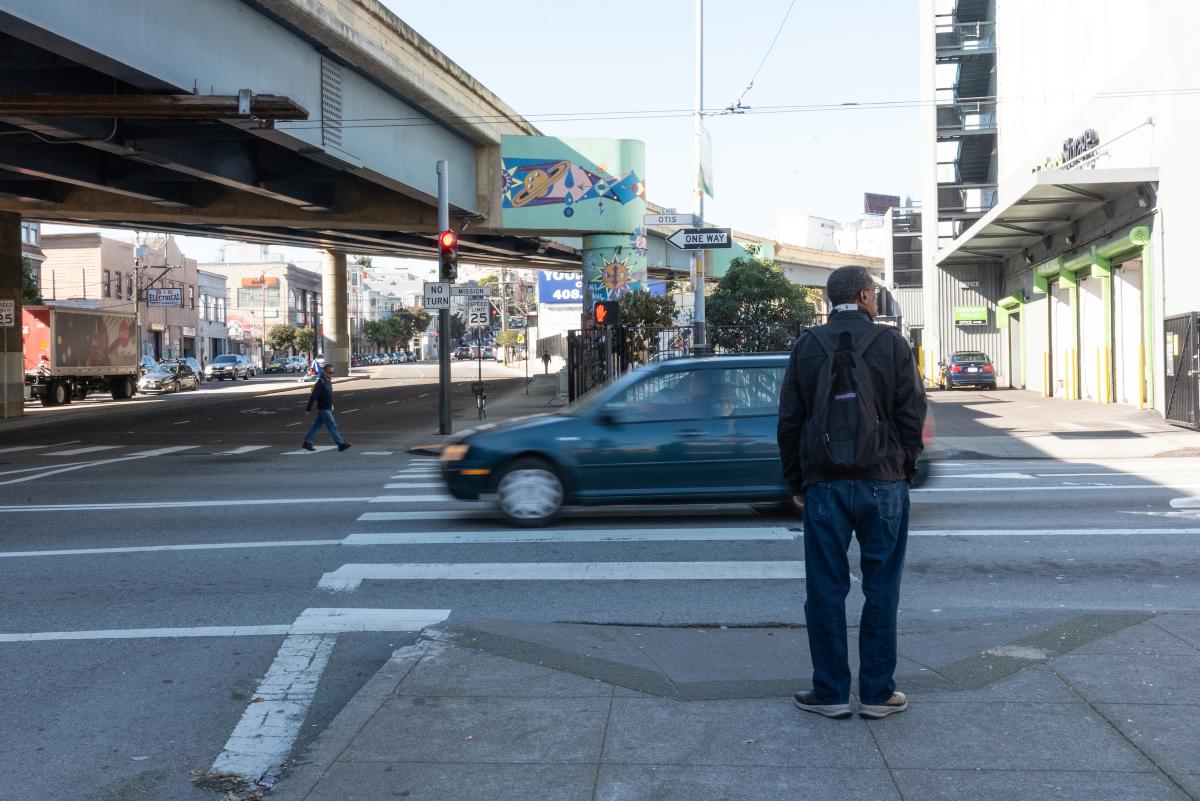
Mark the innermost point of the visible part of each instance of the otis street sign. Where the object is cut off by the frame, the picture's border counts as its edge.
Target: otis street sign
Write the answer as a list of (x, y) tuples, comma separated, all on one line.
[(702, 238)]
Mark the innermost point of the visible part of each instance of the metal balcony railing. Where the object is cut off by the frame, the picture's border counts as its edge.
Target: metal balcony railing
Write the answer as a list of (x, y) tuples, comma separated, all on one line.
[(966, 118), (965, 37)]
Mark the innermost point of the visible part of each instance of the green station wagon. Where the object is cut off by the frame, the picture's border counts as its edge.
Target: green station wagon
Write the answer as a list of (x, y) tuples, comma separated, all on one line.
[(684, 430)]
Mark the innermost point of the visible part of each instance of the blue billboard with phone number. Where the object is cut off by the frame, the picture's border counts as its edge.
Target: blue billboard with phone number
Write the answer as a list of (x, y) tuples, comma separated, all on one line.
[(565, 287), (560, 287)]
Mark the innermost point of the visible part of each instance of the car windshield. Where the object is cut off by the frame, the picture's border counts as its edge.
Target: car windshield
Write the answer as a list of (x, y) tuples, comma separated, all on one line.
[(971, 356), (225, 360), (162, 369)]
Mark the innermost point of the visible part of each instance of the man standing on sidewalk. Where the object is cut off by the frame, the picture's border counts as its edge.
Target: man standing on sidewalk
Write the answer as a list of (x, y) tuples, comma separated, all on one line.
[(850, 416), (322, 395)]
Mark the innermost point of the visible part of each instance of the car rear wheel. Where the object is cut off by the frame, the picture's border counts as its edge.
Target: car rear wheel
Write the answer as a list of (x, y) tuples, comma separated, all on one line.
[(529, 493)]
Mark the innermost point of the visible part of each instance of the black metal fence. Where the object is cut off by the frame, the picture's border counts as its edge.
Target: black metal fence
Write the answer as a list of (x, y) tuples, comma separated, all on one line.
[(594, 355), (1183, 369)]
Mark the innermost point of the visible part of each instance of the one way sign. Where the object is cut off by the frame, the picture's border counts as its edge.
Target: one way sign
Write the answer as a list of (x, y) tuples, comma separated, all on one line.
[(702, 238)]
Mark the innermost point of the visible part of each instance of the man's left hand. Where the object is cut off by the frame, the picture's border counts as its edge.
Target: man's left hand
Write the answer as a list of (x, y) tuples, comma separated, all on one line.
[(798, 500)]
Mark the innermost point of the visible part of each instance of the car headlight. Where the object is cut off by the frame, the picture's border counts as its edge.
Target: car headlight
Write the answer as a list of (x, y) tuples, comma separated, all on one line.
[(455, 453)]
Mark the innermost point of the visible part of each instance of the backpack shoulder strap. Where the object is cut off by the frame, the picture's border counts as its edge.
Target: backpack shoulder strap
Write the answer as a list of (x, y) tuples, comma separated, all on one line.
[(876, 332), (820, 340)]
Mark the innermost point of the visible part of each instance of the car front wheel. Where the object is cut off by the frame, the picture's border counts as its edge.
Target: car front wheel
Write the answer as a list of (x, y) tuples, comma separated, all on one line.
[(530, 493)]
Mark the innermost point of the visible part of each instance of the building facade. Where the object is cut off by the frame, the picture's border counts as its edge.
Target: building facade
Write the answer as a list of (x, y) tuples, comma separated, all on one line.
[(263, 293), (98, 272), (1067, 279), (211, 323)]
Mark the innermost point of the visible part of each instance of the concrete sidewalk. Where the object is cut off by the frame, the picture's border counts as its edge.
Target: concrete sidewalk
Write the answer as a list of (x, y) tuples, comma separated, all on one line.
[(1015, 424), (1094, 707)]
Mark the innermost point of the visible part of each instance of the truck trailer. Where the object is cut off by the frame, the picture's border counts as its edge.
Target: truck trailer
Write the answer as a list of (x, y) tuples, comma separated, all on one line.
[(71, 352)]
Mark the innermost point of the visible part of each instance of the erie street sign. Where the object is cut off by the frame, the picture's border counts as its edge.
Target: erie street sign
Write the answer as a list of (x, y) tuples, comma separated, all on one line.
[(437, 295), (164, 296), (465, 291), (702, 238), (478, 314)]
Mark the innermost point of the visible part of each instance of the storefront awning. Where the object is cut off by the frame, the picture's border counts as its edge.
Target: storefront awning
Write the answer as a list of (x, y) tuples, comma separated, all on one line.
[(1050, 201)]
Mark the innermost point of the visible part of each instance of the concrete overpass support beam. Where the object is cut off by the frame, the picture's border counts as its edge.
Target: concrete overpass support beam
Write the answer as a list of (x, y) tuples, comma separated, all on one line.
[(335, 318), (12, 373)]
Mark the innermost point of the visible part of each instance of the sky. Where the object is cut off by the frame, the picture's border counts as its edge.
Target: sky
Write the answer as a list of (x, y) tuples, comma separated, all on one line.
[(621, 56)]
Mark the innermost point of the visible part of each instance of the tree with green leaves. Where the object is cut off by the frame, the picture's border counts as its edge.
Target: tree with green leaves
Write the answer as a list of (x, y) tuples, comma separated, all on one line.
[(31, 293), (458, 327), (305, 341), (643, 316), (756, 308), (281, 337)]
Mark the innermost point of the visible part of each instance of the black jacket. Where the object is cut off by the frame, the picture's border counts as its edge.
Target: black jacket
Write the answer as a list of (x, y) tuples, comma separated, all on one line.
[(898, 390), (322, 395)]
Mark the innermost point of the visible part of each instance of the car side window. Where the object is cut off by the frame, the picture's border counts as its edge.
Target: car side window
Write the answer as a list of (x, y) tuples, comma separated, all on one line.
[(746, 391), (676, 395)]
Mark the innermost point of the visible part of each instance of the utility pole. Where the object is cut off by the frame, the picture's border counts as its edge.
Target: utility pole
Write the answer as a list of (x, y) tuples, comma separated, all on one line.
[(504, 309), (444, 424), (701, 333)]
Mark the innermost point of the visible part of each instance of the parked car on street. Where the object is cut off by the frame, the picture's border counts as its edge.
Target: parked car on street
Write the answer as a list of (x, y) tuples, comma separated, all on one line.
[(967, 369), (280, 365), (251, 365), (228, 365), (462, 352), (171, 376)]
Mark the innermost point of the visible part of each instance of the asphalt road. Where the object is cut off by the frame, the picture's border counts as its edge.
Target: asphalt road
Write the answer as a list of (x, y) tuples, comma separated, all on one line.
[(272, 532)]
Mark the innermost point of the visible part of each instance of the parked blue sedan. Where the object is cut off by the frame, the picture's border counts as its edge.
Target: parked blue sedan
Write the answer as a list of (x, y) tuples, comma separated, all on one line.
[(685, 430)]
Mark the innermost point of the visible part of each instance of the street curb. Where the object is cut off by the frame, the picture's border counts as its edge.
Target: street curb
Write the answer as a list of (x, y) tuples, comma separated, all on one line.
[(117, 407), (434, 448), (308, 768)]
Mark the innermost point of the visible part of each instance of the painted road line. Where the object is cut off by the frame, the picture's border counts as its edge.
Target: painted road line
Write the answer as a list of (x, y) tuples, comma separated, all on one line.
[(1071, 488), (350, 577), (415, 485), (476, 511), (1185, 503), (39, 467), (200, 546), (80, 507), (572, 535), (77, 451), (311, 621), (1052, 532), (375, 453), (84, 465), (316, 449), (242, 449), (15, 448), (411, 499), (181, 423), (268, 728), (1014, 476)]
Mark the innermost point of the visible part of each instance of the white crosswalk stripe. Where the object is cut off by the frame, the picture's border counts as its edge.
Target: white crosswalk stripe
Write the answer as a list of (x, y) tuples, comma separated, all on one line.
[(77, 451), (316, 449), (242, 449), (349, 577), (716, 534), (414, 485)]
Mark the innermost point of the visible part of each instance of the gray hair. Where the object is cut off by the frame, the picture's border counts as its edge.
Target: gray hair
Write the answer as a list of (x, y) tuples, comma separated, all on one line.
[(846, 282)]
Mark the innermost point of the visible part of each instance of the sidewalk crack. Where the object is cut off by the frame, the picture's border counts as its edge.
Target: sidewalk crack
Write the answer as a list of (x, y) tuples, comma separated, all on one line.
[(887, 766), (612, 692), (1145, 754)]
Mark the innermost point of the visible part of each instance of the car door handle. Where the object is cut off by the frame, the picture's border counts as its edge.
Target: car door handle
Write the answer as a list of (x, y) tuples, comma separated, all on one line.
[(690, 433)]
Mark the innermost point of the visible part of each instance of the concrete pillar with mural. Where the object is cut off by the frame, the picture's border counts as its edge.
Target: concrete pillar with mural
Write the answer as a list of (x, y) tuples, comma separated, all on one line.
[(12, 371), (335, 319), (612, 266)]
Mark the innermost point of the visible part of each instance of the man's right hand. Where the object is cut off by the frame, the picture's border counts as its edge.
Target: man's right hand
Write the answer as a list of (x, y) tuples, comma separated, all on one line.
[(799, 501)]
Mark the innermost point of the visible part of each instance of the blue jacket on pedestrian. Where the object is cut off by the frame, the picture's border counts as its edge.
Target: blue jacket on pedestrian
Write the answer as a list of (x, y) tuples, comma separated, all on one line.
[(322, 395)]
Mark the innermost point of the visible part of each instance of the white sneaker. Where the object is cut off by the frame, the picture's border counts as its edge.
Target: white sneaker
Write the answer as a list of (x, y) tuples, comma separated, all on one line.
[(897, 703)]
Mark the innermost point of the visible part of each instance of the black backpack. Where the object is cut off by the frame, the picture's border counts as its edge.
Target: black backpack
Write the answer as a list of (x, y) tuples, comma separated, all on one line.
[(844, 432)]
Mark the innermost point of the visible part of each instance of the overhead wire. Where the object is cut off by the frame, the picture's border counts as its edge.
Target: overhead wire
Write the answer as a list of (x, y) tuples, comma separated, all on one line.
[(736, 106)]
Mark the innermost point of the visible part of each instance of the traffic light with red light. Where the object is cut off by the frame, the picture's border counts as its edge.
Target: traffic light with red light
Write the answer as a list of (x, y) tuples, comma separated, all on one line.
[(606, 313), (448, 255)]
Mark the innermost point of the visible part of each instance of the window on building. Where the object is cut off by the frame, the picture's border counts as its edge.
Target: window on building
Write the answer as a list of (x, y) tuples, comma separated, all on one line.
[(105, 287), (128, 286), (191, 293), (220, 310)]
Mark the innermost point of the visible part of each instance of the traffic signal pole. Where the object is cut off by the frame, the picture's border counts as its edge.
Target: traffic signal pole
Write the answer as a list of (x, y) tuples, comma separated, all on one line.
[(700, 339), (444, 425)]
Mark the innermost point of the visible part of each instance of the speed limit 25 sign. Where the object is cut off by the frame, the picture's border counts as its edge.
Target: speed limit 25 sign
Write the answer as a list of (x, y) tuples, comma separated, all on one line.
[(478, 314)]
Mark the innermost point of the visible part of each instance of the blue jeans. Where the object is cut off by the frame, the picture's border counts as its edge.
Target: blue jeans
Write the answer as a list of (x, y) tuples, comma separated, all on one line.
[(324, 418), (833, 511)]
